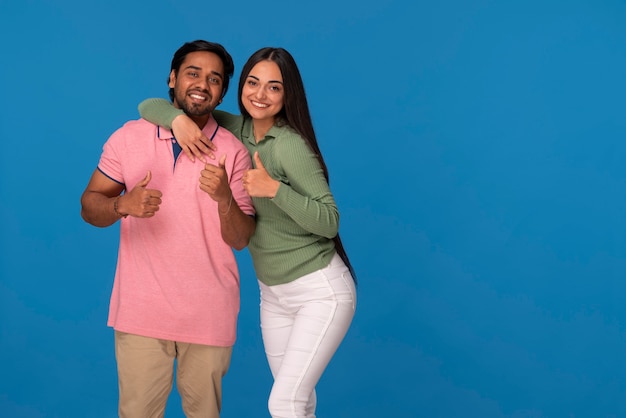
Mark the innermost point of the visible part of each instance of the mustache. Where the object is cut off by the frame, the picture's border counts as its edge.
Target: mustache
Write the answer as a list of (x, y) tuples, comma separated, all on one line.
[(202, 91)]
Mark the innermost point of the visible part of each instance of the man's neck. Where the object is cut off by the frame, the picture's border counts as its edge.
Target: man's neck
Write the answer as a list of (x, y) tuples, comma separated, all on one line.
[(201, 121)]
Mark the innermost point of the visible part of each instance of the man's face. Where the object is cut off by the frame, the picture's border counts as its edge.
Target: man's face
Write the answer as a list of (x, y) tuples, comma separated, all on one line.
[(199, 83)]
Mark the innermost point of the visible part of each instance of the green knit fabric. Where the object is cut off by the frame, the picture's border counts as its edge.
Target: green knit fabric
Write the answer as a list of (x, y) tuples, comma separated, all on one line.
[(294, 229)]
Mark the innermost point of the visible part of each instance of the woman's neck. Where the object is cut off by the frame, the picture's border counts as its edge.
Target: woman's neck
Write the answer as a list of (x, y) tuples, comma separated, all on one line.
[(260, 127)]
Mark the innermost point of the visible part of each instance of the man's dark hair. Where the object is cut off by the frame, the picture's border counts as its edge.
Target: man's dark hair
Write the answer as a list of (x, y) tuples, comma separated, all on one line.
[(200, 45)]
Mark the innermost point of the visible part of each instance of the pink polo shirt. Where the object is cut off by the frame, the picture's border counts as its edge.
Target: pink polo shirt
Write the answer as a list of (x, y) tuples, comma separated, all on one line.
[(176, 279)]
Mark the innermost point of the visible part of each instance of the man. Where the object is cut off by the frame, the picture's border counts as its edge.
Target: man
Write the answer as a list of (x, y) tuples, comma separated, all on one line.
[(176, 289)]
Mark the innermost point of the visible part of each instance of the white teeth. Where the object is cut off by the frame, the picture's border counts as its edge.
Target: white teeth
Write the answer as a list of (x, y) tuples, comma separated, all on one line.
[(257, 104), (195, 96)]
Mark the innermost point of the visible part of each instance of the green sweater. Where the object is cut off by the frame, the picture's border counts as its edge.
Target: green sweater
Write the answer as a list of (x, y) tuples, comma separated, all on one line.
[(294, 229)]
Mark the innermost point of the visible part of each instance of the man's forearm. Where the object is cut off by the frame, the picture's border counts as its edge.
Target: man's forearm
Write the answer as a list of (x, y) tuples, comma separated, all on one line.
[(237, 227), (98, 209)]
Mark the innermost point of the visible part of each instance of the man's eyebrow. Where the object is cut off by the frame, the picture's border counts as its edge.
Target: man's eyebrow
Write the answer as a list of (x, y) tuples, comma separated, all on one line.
[(193, 67)]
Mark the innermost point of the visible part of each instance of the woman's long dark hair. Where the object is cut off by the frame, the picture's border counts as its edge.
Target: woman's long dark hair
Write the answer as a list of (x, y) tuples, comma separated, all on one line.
[(295, 111)]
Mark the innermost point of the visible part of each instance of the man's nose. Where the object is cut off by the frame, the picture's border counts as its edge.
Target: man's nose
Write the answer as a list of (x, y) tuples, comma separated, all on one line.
[(202, 83)]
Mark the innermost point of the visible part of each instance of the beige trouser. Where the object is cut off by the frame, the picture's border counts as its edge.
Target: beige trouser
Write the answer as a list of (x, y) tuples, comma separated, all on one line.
[(145, 368)]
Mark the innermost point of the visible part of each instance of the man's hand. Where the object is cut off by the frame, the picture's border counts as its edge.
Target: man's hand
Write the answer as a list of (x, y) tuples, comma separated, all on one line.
[(191, 139), (214, 181), (140, 202)]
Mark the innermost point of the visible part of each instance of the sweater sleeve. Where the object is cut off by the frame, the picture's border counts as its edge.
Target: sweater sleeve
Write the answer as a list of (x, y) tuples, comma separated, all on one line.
[(306, 197), (234, 123), (159, 111), (162, 112)]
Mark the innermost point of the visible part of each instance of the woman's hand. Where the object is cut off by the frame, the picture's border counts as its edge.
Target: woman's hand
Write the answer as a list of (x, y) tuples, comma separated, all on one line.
[(191, 139), (258, 182)]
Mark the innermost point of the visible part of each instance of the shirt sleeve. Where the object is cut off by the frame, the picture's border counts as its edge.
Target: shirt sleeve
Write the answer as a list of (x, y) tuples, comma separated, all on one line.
[(159, 111), (306, 196), (242, 163), (110, 163), (162, 112), (234, 123)]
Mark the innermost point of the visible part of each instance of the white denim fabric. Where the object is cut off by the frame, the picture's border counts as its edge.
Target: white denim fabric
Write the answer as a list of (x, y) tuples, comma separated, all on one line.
[(303, 322)]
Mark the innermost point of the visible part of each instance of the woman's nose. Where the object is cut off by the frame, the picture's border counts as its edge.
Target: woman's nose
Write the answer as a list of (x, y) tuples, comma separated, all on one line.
[(259, 93)]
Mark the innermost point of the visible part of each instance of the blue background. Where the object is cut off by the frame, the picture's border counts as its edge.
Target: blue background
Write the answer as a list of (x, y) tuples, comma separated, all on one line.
[(476, 152)]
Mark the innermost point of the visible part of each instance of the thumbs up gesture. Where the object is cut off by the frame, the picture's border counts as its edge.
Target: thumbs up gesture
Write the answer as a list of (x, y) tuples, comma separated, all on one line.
[(141, 202), (214, 181), (258, 182)]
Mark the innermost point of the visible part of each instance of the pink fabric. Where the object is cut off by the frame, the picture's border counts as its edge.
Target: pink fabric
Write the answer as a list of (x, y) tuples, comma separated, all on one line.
[(176, 279)]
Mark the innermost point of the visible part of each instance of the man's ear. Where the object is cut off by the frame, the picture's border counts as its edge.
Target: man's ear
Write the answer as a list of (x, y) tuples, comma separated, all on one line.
[(172, 82)]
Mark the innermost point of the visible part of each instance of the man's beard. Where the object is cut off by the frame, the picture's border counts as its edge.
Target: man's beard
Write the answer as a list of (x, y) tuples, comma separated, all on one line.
[(195, 109)]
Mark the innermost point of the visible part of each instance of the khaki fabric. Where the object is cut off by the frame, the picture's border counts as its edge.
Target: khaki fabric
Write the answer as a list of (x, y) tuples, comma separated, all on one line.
[(146, 372)]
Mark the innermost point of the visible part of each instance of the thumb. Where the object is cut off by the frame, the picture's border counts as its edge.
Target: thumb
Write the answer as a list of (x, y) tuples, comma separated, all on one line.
[(146, 180), (257, 161), (222, 162)]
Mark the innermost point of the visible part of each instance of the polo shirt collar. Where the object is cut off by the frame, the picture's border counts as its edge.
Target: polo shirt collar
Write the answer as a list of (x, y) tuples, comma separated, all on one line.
[(248, 133)]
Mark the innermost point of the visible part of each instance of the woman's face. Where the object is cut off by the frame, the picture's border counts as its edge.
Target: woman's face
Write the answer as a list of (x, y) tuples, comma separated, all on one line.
[(262, 93)]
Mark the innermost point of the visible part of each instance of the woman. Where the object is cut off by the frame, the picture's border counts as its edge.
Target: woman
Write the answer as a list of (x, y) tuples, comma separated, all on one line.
[(306, 282)]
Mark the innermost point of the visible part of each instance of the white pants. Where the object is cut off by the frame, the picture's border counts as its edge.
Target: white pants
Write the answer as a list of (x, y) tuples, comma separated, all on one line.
[(303, 322)]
